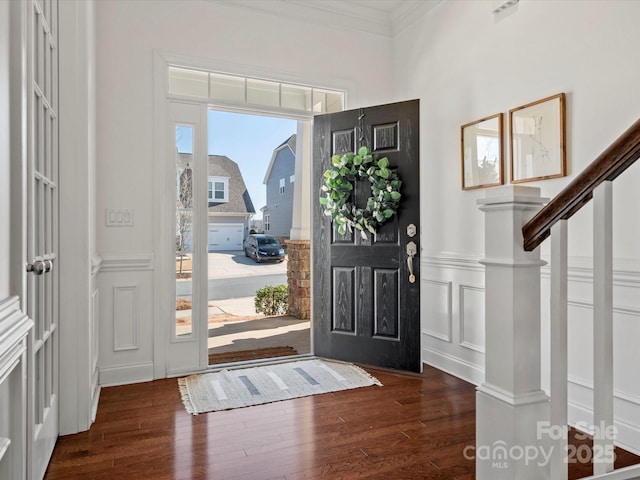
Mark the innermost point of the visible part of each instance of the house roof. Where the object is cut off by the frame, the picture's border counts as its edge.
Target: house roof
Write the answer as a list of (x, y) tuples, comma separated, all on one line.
[(239, 199), (289, 143)]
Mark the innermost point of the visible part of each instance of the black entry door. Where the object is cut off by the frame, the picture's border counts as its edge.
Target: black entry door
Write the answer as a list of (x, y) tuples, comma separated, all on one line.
[(366, 308)]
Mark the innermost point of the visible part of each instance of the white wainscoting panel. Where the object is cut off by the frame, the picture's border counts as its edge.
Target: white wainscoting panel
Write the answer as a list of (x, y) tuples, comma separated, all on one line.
[(95, 331), (458, 281), (472, 317), (437, 295), (95, 339), (452, 309), (126, 318)]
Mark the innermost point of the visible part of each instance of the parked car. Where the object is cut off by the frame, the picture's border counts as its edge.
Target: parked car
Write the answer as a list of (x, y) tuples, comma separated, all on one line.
[(262, 247)]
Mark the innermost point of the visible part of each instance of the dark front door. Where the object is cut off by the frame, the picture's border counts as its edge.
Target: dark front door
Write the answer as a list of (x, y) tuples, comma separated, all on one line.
[(366, 298)]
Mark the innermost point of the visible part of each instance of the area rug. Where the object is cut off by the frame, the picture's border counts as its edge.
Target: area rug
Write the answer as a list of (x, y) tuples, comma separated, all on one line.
[(254, 354), (244, 387)]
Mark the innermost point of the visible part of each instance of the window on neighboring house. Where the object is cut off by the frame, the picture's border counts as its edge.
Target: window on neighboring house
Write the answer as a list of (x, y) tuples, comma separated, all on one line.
[(267, 223), (292, 178), (218, 189), (282, 185)]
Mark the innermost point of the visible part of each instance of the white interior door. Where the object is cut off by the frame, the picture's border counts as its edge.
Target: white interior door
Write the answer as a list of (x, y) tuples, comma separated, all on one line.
[(42, 230), (187, 146)]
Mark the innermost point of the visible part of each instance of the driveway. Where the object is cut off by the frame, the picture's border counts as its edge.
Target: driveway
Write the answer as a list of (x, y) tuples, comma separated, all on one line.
[(236, 264)]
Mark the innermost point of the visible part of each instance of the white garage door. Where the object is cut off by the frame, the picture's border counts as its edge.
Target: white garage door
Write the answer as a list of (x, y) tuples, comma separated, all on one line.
[(225, 236)]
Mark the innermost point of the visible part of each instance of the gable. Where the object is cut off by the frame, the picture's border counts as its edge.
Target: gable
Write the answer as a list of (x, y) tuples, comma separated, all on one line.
[(286, 150), (219, 166)]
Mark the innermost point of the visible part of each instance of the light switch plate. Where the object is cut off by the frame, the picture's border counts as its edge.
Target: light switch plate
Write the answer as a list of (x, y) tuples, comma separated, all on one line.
[(118, 217)]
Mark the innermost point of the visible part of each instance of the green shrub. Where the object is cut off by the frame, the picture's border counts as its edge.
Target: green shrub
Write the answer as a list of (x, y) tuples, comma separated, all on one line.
[(272, 300)]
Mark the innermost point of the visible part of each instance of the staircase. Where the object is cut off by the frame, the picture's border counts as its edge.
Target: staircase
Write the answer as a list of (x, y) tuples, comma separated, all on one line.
[(521, 431)]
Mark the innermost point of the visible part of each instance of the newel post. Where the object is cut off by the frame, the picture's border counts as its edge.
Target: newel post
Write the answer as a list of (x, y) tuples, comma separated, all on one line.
[(511, 408)]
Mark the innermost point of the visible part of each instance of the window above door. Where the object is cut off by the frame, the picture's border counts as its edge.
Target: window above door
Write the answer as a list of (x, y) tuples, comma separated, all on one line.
[(235, 90)]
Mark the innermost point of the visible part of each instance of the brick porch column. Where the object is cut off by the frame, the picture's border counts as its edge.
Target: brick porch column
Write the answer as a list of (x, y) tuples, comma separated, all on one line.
[(299, 278)]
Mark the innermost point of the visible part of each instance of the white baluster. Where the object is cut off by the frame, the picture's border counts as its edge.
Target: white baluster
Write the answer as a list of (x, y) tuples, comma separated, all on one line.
[(558, 347), (603, 328)]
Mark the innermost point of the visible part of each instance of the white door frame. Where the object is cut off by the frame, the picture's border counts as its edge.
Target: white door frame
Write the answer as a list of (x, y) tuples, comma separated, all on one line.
[(164, 176)]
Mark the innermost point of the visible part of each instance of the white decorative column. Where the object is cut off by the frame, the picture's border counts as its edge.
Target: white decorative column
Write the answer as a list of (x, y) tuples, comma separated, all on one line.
[(301, 221), (510, 404)]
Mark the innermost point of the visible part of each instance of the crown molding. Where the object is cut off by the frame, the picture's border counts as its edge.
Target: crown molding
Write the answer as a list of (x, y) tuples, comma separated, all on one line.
[(386, 19)]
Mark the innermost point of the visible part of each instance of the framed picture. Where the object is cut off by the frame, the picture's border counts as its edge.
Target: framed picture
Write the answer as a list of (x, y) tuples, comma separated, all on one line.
[(482, 164), (537, 140)]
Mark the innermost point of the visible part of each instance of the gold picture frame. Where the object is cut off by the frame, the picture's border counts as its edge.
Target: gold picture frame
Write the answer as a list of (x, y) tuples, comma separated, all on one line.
[(537, 140), (481, 153)]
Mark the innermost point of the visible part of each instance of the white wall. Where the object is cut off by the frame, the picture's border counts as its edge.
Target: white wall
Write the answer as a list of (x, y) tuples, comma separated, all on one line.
[(244, 41), (465, 63)]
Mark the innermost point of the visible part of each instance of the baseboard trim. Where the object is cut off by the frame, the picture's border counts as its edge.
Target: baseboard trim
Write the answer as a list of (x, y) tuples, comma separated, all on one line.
[(455, 366), (126, 374)]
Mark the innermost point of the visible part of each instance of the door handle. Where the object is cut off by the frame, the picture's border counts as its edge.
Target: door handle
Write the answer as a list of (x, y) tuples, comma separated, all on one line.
[(38, 267), (412, 250)]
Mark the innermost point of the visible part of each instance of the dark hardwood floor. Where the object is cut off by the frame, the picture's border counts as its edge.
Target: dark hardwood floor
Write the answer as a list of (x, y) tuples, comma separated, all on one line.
[(415, 427)]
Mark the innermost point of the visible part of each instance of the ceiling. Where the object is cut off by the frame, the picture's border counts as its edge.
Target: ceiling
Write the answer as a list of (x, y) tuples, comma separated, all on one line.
[(380, 17)]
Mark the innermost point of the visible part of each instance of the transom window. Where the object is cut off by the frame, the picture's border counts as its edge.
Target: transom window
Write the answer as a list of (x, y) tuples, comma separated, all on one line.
[(264, 94)]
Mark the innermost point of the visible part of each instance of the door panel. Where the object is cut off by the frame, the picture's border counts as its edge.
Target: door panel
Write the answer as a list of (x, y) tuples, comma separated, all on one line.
[(365, 308), (42, 230)]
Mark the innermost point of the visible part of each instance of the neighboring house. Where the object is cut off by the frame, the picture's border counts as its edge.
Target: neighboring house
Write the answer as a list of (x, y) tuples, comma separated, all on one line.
[(230, 208), (277, 214)]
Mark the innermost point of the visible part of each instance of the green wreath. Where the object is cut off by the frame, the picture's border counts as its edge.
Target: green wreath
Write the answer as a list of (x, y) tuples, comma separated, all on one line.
[(338, 186)]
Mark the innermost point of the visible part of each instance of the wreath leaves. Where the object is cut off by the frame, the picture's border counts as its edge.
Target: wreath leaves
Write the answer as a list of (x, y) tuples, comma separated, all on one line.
[(338, 187)]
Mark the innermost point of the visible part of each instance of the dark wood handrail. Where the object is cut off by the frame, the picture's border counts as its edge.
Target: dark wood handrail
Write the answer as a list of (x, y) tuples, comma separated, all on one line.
[(611, 163)]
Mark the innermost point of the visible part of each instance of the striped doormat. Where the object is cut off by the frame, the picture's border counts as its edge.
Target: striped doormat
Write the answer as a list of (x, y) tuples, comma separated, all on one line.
[(244, 387)]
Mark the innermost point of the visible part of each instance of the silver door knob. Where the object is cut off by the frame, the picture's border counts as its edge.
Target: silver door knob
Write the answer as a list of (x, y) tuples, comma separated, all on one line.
[(38, 267)]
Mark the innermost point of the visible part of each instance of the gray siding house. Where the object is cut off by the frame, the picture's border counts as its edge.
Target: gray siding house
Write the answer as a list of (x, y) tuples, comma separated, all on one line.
[(279, 179), (230, 208)]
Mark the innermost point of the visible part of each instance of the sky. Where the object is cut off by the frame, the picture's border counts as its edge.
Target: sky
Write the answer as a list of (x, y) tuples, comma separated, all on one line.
[(248, 140)]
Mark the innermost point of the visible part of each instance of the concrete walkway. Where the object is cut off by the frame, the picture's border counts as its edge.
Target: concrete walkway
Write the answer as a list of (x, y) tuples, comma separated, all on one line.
[(233, 336), (229, 335)]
